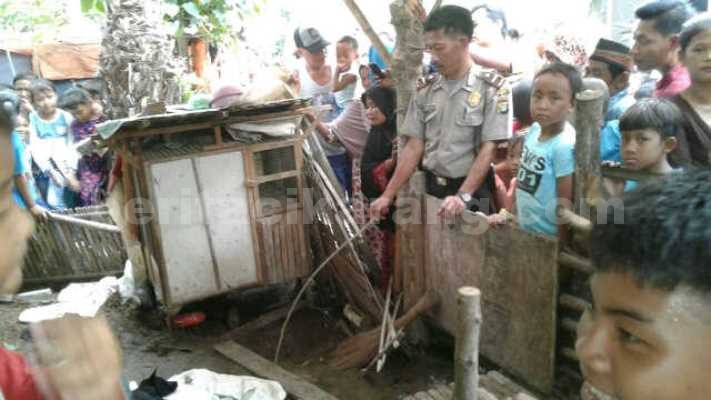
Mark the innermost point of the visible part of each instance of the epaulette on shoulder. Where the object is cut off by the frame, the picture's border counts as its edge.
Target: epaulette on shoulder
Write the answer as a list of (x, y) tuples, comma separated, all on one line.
[(492, 77)]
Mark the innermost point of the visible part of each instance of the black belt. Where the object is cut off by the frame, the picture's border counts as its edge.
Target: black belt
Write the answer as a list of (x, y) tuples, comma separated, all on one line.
[(441, 187)]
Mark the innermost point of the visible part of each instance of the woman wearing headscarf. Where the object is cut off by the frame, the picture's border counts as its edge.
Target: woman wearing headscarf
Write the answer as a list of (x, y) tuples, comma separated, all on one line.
[(377, 165)]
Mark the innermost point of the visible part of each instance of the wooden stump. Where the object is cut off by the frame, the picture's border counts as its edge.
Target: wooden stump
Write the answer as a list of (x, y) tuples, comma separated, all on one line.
[(466, 361)]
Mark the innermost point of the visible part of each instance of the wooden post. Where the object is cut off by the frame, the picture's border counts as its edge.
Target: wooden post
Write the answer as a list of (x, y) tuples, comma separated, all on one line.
[(588, 122), (368, 29), (466, 352)]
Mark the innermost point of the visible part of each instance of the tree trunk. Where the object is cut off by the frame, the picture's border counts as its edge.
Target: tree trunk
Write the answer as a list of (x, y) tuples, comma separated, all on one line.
[(137, 61), (407, 58)]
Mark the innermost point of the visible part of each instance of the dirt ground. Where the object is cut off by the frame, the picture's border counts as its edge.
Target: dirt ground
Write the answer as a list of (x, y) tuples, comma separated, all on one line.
[(147, 344)]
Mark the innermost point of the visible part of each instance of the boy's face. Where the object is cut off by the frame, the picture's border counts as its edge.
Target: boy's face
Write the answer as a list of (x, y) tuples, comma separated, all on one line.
[(22, 88), (551, 99), (644, 149), (600, 70), (45, 102), (83, 112), (345, 55), (697, 57), (652, 50), (447, 52), (15, 225), (640, 343)]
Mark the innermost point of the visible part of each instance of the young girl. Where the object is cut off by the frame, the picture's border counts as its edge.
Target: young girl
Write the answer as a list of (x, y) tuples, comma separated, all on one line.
[(545, 177), (506, 174), (93, 166), (51, 147), (377, 165)]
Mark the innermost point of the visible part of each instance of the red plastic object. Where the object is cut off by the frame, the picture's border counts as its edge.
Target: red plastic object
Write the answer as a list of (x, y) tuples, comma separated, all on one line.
[(189, 320)]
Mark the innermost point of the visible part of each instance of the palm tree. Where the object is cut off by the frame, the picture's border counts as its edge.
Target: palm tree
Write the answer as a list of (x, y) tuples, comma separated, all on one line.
[(137, 61)]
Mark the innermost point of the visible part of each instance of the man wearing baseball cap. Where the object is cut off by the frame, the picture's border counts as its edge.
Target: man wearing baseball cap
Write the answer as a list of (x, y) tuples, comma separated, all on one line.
[(314, 79)]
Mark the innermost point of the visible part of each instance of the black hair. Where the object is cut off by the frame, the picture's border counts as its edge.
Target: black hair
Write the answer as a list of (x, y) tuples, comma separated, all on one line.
[(23, 76), (40, 85), (350, 40), (495, 15), (659, 115), (571, 74), (9, 109), (521, 97), (95, 87), (451, 20), (693, 27), (73, 98), (664, 240), (669, 15)]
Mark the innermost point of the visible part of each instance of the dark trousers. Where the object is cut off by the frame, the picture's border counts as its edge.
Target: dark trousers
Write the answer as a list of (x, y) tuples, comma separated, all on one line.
[(482, 199)]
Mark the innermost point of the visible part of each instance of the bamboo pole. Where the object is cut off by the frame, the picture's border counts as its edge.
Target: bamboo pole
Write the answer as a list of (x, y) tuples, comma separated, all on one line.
[(368, 29), (81, 222), (466, 362)]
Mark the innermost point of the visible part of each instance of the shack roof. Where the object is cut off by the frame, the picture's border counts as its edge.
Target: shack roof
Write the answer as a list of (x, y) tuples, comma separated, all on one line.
[(148, 125)]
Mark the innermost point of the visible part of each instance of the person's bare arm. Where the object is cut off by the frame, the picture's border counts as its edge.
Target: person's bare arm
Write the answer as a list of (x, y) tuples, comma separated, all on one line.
[(320, 127), (480, 168), (564, 188), (406, 166), (24, 190), (453, 205), (491, 59), (341, 81)]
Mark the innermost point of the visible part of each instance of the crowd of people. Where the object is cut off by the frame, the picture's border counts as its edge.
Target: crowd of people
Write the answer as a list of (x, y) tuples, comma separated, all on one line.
[(493, 130), (59, 167), (490, 129)]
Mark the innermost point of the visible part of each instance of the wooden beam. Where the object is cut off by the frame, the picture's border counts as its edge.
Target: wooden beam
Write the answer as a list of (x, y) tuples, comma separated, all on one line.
[(368, 29), (263, 368)]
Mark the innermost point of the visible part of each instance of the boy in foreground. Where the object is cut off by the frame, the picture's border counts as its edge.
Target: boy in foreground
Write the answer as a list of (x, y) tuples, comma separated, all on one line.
[(648, 333)]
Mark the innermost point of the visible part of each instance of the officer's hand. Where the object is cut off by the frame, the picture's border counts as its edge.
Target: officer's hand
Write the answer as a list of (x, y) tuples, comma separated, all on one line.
[(379, 208), (451, 207)]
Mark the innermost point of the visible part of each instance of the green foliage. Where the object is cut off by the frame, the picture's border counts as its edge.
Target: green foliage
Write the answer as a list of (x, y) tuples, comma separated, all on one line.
[(87, 6), (214, 20), (40, 18)]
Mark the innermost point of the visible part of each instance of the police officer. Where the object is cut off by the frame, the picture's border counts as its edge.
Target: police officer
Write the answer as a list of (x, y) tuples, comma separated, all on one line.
[(453, 124)]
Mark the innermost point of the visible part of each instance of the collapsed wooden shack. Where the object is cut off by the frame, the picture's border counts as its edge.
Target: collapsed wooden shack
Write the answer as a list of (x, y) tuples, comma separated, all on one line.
[(218, 201)]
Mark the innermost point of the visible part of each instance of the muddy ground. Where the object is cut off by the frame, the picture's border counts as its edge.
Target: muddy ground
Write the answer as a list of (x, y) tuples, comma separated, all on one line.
[(147, 344)]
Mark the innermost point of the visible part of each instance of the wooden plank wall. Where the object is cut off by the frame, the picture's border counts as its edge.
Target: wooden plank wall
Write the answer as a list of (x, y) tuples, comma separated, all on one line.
[(517, 273), (284, 256)]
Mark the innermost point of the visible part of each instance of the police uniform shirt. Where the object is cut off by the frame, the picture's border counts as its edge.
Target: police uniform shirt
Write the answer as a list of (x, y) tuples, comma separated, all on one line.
[(454, 118)]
